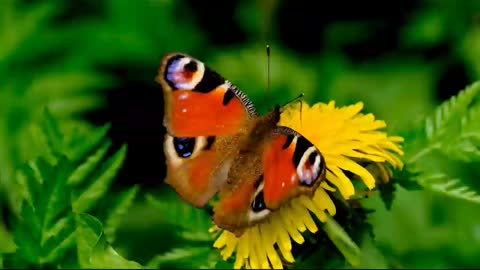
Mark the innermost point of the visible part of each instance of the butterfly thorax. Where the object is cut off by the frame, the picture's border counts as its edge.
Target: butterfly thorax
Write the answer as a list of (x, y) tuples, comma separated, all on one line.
[(252, 141)]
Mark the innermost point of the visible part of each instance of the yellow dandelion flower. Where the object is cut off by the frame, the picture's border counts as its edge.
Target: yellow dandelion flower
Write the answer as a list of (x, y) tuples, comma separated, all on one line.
[(344, 136)]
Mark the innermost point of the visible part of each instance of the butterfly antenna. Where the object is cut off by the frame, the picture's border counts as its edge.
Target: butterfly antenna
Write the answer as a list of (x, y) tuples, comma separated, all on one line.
[(268, 68), (297, 99)]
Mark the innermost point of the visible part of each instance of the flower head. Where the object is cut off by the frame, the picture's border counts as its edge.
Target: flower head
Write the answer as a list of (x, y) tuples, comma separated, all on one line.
[(345, 137)]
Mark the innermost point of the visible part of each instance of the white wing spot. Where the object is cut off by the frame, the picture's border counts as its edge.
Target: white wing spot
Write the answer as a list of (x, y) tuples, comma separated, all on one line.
[(177, 77), (308, 176), (254, 216), (175, 160)]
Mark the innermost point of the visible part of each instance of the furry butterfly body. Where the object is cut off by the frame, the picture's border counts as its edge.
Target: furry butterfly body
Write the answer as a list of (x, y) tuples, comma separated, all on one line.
[(216, 143)]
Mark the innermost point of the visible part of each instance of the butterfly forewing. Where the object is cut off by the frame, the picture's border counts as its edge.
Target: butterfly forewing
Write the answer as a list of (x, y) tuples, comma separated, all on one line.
[(201, 108)]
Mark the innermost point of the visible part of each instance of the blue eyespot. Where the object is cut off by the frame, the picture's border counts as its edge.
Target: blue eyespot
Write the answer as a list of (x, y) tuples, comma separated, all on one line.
[(184, 146)]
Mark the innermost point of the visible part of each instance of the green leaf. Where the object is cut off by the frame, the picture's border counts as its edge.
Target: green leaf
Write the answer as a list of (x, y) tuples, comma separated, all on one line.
[(191, 223), (406, 178), (466, 146), (89, 229), (44, 232), (387, 193), (189, 257), (441, 183), (52, 132), (101, 182), (444, 127), (7, 245), (453, 130), (84, 170), (118, 211), (81, 147), (94, 252)]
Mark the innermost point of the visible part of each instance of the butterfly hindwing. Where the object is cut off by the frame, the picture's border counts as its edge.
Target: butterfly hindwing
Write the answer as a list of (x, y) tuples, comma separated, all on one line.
[(292, 166), (189, 164), (201, 108)]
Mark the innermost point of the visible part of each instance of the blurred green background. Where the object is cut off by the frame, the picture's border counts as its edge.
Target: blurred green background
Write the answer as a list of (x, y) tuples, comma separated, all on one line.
[(93, 62)]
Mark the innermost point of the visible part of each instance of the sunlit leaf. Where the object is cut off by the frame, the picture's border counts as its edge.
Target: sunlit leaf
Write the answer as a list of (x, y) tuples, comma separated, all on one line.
[(93, 248)]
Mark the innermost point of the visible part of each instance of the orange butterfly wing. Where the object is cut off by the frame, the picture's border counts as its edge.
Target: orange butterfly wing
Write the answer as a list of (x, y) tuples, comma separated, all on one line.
[(291, 166), (198, 101), (200, 108)]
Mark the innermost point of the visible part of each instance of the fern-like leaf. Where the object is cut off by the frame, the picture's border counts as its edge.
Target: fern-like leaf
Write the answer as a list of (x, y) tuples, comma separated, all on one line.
[(466, 146), (45, 230), (52, 187), (454, 131), (192, 224), (100, 183), (448, 115), (118, 211), (449, 129), (441, 183)]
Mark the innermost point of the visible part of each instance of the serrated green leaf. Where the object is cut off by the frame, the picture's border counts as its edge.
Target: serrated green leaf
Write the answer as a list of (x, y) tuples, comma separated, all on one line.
[(387, 193), (466, 146), (60, 249), (118, 211), (57, 200), (192, 223), (55, 229), (43, 234), (444, 126), (85, 169), (101, 183), (406, 178), (52, 132), (441, 183), (93, 248), (30, 182), (81, 148)]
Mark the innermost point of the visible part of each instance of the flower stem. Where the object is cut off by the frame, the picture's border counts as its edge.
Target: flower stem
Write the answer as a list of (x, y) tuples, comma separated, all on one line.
[(342, 241)]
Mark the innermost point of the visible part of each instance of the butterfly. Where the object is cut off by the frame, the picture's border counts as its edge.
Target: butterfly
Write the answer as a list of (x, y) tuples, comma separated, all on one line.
[(216, 144)]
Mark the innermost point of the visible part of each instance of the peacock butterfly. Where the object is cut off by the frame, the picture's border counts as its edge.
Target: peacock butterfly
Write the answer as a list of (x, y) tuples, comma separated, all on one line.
[(216, 143)]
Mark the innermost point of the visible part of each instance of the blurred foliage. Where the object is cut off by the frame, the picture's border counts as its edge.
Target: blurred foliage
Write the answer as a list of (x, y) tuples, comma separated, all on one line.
[(60, 205)]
